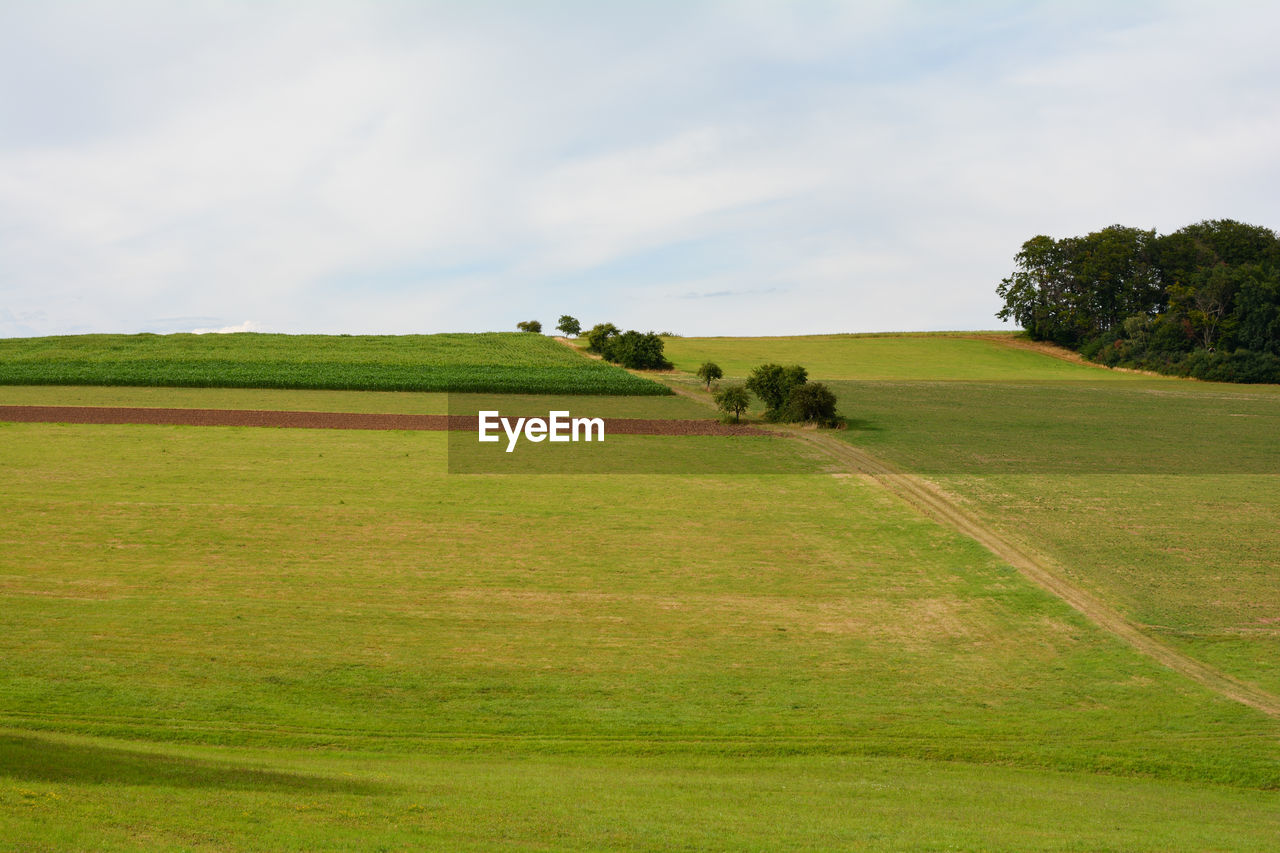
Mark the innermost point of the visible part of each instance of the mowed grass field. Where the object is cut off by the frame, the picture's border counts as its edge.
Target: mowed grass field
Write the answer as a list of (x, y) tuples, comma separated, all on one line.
[(235, 637), (394, 402), (1160, 494), (921, 356), (289, 639), (495, 362)]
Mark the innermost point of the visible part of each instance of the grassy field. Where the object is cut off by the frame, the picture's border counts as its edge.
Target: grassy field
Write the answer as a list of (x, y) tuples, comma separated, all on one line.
[(1141, 426), (321, 639), (244, 638), (1193, 558), (493, 362), (203, 798), (395, 402), (883, 357), (1162, 495)]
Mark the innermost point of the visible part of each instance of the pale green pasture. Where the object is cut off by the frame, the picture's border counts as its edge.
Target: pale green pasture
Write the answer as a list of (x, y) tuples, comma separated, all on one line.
[(263, 586), (883, 357)]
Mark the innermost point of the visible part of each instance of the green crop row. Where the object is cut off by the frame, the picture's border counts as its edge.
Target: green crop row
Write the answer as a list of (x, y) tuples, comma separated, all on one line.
[(494, 362)]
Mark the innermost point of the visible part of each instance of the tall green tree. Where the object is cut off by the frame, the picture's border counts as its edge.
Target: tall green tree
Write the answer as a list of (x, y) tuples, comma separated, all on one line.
[(772, 383)]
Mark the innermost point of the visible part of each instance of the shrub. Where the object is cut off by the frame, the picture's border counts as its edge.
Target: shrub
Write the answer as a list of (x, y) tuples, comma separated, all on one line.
[(529, 326)]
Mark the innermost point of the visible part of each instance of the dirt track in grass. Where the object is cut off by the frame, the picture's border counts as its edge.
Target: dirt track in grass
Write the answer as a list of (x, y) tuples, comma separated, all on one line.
[(332, 420)]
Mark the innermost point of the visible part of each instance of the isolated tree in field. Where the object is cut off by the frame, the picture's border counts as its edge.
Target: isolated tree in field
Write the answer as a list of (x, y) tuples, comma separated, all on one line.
[(733, 399), (709, 372), (569, 325), (529, 326), (772, 383)]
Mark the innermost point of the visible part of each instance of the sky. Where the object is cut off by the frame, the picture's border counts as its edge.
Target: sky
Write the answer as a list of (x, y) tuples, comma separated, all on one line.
[(704, 168)]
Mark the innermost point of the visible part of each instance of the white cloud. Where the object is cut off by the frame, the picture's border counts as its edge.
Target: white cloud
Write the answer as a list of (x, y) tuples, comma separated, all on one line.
[(405, 167)]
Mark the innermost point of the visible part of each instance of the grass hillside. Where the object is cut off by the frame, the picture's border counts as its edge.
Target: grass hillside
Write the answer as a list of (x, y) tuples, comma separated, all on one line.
[(1160, 494), (492, 362), (244, 637), (889, 357), (238, 638)]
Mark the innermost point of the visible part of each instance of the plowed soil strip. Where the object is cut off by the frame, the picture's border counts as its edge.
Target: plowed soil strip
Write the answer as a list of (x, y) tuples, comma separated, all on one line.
[(332, 420)]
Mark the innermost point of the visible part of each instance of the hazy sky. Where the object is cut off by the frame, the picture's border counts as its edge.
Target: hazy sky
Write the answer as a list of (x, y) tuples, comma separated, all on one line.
[(704, 168)]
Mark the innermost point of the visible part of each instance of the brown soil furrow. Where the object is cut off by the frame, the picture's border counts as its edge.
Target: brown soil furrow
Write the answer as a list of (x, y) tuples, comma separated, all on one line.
[(332, 420)]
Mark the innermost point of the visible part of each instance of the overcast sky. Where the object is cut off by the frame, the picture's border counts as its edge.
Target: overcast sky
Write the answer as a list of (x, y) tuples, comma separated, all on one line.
[(703, 168)]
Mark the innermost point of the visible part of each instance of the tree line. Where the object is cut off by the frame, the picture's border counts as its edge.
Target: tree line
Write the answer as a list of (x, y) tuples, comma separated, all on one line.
[(1203, 301)]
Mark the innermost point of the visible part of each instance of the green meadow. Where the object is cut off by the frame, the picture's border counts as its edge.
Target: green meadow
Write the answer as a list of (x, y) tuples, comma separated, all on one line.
[(1162, 495), (244, 638), (937, 356), (395, 402)]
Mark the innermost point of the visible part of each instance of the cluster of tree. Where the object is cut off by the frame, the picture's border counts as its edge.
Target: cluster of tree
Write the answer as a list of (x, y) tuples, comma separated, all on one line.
[(786, 392), (1203, 301), (636, 350), (567, 325)]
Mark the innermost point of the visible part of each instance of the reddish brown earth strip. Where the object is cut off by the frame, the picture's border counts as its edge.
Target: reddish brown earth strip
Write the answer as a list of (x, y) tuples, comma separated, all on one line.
[(331, 420)]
